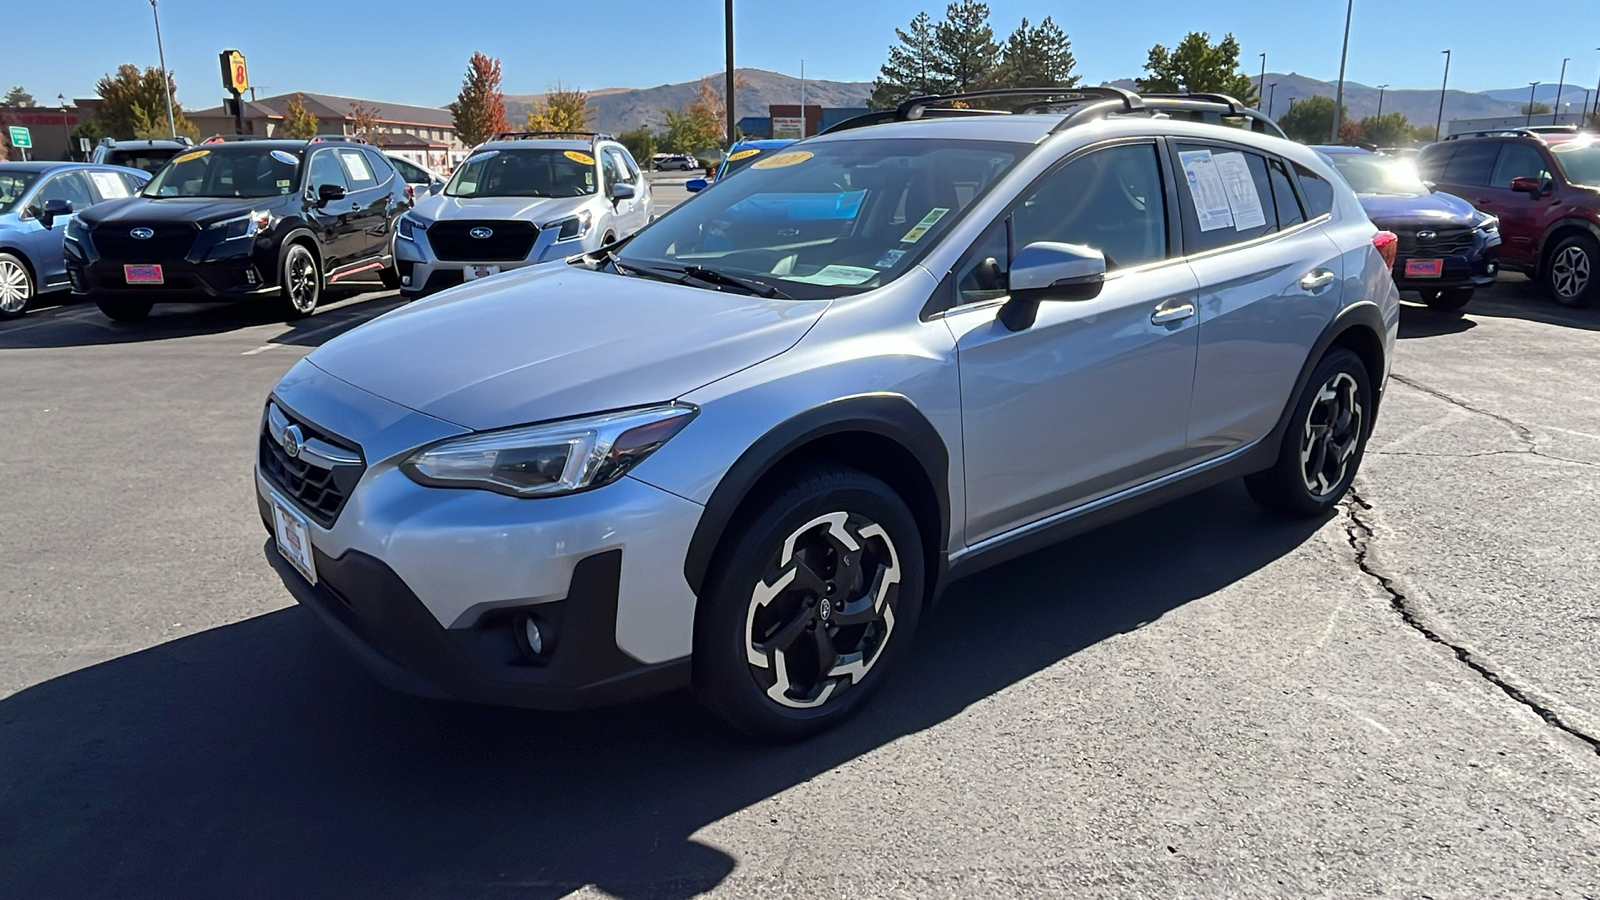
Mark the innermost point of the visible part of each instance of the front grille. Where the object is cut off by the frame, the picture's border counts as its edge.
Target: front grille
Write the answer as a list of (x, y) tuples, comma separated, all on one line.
[(319, 492), (171, 241), (1448, 242), (509, 242)]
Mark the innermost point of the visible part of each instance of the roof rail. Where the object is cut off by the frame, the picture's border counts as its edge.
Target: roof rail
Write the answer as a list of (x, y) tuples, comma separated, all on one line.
[(592, 136), (345, 138)]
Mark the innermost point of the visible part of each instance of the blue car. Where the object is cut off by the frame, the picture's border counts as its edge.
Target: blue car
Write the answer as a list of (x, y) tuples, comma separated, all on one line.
[(37, 199), (1446, 245), (740, 155)]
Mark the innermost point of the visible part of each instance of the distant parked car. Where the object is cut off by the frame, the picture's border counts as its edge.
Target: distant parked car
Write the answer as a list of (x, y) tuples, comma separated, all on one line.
[(37, 201), (141, 154), (421, 180), (739, 155), (1446, 246), (677, 163)]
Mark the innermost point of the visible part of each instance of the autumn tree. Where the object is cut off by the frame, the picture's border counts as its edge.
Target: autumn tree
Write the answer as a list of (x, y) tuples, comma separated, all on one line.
[(910, 69), (480, 108), (1198, 66), (692, 129), (298, 122), (364, 120), (18, 96), (134, 105), (1388, 130), (965, 53), (562, 109), (1310, 121), (1036, 56)]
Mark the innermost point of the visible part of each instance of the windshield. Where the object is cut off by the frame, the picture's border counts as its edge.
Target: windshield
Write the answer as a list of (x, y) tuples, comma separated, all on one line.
[(535, 172), (1372, 174), (149, 159), (828, 218), (224, 171), (12, 186), (1580, 160)]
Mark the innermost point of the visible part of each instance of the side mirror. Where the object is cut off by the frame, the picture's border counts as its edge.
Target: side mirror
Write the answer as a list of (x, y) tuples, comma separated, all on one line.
[(696, 185), (1527, 184), (1431, 185), (54, 209), (435, 187), (621, 192), (1047, 270), (327, 193)]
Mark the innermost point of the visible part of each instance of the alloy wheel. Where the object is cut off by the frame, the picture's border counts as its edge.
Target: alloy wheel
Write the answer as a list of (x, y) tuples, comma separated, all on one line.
[(1570, 272), (1331, 435), (823, 614), (302, 273), (15, 289)]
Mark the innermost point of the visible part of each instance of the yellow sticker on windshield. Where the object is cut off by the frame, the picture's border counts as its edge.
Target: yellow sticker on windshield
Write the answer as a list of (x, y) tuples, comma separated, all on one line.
[(782, 160), (745, 154), (922, 228), (578, 157), (193, 154)]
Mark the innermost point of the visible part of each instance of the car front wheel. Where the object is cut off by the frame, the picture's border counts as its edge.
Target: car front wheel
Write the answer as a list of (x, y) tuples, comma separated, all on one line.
[(16, 286), (1573, 275), (809, 606), (300, 284), (1324, 443), (1447, 299), (118, 310)]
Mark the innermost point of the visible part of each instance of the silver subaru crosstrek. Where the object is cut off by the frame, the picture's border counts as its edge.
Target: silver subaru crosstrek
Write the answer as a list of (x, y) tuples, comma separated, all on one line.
[(520, 199), (743, 451)]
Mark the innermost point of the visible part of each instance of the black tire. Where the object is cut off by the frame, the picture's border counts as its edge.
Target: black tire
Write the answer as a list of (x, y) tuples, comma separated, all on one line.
[(1572, 274), (1448, 299), (390, 277), (17, 289), (299, 282), (119, 310), (1325, 441), (783, 687)]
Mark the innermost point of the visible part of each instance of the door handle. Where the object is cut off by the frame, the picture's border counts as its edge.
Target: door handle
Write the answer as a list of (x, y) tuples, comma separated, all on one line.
[(1318, 281), (1172, 311)]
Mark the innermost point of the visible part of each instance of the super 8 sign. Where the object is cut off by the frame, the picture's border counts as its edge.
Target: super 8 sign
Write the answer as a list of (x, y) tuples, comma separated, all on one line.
[(235, 77)]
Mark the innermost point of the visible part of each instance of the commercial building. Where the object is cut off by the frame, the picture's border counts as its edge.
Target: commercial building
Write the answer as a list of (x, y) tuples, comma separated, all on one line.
[(422, 134), (50, 128)]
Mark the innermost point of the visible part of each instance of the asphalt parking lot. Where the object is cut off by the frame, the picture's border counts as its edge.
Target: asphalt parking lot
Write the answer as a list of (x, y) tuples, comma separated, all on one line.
[(1202, 701)]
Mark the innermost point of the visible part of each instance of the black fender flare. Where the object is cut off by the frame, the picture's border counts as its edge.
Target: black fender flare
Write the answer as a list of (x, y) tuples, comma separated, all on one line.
[(889, 416), (1364, 315), (1568, 223), (293, 235)]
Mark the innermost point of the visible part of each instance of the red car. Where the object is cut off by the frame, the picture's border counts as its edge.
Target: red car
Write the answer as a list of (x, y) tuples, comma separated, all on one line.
[(1545, 189)]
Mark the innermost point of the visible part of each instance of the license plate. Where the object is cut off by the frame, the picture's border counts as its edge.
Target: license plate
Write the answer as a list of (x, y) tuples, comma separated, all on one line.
[(143, 275), (294, 537), (1424, 268), (475, 272)]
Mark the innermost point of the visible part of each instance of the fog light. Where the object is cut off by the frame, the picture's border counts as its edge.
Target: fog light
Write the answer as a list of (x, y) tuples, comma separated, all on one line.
[(250, 275), (405, 280), (533, 637)]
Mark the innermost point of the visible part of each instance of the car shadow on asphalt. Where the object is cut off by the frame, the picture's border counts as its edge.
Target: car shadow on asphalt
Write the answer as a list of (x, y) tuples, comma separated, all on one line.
[(1422, 322), (257, 760), (1532, 306), (82, 325)]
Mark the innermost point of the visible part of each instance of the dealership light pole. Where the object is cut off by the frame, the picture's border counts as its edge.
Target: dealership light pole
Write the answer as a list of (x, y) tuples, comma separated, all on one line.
[(65, 130), (166, 83), (1555, 117), (1532, 89), (1381, 89), (1272, 96), (1438, 128), (1261, 86), (1344, 56), (728, 18)]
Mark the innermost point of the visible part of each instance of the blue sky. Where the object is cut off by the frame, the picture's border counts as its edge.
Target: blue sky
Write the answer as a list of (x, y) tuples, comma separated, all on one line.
[(415, 51)]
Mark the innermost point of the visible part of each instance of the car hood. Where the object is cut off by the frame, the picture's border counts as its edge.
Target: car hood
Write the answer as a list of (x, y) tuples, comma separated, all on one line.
[(554, 341), (538, 210), (1386, 210), (198, 210)]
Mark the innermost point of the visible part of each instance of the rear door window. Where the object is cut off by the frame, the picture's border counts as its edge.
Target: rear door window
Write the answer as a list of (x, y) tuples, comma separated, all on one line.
[(358, 172), (1227, 196), (1472, 164)]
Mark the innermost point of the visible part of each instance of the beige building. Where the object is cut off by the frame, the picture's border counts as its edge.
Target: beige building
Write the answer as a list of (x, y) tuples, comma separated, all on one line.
[(424, 135)]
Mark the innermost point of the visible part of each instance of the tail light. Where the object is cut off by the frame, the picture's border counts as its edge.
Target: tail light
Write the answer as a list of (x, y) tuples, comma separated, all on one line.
[(411, 192), (1388, 244)]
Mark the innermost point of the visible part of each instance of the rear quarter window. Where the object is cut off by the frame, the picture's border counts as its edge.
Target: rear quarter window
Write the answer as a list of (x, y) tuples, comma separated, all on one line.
[(1316, 190)]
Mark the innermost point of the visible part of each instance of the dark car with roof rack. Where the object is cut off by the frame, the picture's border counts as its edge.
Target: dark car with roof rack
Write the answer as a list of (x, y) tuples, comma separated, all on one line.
[(245, 219)]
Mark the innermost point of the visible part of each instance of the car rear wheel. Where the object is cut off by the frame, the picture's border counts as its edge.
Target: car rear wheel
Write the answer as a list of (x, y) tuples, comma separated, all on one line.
[(300, 285), (1572, 276), (810, 604), (124, 310), (1447, 299), (16, 286), (1324, 443)]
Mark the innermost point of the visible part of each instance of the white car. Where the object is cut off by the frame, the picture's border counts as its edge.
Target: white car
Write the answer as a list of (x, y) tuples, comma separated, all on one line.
[(521, 199)]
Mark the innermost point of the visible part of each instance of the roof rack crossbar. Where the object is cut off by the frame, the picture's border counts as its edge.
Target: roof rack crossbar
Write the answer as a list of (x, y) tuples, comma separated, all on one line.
[(1052, 96), (592, 136)]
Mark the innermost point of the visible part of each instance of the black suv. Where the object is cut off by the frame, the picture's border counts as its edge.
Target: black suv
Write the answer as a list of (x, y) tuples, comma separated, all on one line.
[(244, 219)]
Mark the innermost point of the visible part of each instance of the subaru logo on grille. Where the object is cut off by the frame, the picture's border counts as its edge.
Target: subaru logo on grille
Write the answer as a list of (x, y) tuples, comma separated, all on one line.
[(142, 234), (293, 440), (480, 232), (1427, 237)]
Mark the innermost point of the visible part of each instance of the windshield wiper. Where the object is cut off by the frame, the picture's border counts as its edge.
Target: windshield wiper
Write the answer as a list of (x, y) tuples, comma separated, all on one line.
[(712, 276)]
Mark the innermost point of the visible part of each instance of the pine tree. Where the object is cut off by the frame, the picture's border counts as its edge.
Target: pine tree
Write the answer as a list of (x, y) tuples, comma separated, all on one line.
[(909, 71), (965, 54), (1037, 56), (298, 122), (1197, 66), (18, 96), (480, 108)]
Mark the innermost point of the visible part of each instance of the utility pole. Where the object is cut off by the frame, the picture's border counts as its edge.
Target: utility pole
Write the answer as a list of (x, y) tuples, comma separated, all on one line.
[(1344, 56), (728, 5), (64, 129), (1261, 86), (166, 82), (1438, 129), (1381, 89), (1531, 90), (1272, 96), (1555, 115), (803, 99)]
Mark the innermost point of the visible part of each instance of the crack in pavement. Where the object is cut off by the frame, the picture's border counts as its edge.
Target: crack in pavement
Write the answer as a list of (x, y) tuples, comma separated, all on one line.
[(1360, 535), (1523, 433)]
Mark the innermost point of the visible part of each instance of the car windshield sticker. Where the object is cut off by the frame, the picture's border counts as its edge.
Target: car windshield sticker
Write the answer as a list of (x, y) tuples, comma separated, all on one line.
[(578, 157), (889, 258), (1206, 190), (1243, 198), (109, 185), (356, 165), (283, 185), (921, 228), (191, 155), (285, 157), (744, 154), (782, 160), (831, 275)]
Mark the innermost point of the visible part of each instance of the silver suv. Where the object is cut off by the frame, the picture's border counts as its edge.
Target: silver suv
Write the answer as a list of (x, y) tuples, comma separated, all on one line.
[(519, 199), (743, 451)]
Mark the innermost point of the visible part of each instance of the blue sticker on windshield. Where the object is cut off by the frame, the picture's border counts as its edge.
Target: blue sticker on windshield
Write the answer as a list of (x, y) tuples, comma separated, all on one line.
[(285, 157), (889, 258)]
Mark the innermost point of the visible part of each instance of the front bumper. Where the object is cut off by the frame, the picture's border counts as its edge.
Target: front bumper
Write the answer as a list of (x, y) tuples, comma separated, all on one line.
[(422, 272), (209, 272)]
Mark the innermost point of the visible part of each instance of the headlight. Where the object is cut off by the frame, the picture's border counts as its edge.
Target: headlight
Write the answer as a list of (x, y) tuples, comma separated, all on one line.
[(243, 226), (77, 232), (550, 459), (410, 224), (572, 227), (1489, 225)]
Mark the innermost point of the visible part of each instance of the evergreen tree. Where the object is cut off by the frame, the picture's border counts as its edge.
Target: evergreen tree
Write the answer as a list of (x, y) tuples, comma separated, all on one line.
[(1310, 121), (910, 69), (965, 54), (18, 96), (135, 101), (1036, 56), (480, 109), (1388, 130), (298, 122), (1197, 66)]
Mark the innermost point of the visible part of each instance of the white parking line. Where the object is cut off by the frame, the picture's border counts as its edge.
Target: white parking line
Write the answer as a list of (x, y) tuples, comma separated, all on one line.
[(310, 334)]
